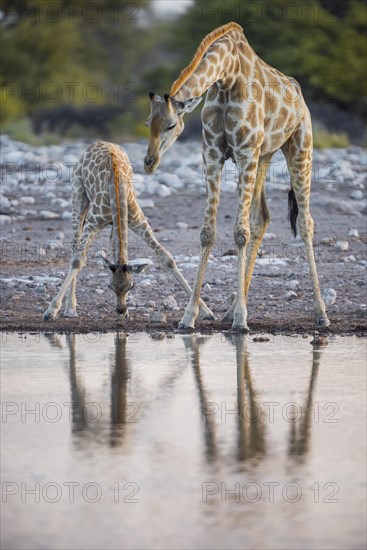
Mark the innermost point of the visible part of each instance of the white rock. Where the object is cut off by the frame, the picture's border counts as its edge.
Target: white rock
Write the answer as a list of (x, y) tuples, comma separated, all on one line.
[(99, 291), (329, 295), (14, 156), (69, 158), (48, 215), (54, 245), (27, 200), (169, 302), (28, 212), (31, 178), (5, 220), (60, 202), (145, 283), (290, 294), (172, 180), (66, 215), (353, 233), (158, 317), (151, 186), (342, 245), (4, 202), (345, 171), (269, 236), (164, 191), (146, 203), (187, 174), (357, 195), (182, 225), (293, 285), (272, 261)]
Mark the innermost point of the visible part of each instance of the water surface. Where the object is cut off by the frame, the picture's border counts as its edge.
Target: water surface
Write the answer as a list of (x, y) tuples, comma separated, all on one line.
[(190, 442)]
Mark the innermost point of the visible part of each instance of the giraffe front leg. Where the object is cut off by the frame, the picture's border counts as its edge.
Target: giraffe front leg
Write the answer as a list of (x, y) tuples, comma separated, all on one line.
[(77, 262), (56, 303), (70, 305), (213, 172), (240, 309), (207, 237), (247, 174)]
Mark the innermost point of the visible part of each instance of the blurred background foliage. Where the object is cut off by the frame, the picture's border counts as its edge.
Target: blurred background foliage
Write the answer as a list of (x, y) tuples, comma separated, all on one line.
[(80, 69)]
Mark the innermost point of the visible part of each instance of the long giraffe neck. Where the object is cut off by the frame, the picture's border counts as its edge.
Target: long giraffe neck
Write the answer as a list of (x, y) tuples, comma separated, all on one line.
[(215, 59), (119, 214)]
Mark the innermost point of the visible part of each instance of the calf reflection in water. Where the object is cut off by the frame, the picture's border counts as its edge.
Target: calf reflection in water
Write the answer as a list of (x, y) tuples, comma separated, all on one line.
[(88, 418)]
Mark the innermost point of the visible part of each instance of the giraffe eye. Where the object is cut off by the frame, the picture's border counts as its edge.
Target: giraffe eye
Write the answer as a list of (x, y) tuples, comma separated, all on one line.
[(171, 127)]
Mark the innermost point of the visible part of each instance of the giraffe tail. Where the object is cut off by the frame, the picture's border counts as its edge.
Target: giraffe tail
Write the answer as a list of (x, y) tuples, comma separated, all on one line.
[(292, 211)]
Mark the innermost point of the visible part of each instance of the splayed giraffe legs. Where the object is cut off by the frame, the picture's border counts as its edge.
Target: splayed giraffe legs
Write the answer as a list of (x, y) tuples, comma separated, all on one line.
[(141, 227), (207, 237), (259, 221), (298, 153)]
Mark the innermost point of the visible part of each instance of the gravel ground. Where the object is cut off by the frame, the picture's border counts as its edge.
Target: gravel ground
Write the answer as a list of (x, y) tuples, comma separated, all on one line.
[(35, 222)]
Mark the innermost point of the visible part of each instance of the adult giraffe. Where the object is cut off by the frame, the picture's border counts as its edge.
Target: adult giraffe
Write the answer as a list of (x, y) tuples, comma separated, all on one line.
[(251, 110)]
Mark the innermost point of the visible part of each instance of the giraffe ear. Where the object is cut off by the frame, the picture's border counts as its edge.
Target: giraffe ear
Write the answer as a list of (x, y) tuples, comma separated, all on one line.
[(107, 264), (137, 268), (154, 97), (138, 265), (186, 106)]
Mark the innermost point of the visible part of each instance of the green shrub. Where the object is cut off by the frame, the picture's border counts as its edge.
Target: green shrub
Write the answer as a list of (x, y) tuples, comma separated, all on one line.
[(323, 139), (22, 131)]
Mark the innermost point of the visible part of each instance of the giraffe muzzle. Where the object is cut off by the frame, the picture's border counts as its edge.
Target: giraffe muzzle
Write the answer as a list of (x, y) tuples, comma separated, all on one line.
[(150, 163), (122, 310)]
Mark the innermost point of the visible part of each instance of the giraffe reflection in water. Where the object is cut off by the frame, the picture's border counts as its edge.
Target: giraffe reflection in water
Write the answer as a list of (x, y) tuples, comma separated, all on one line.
[(250, 442)]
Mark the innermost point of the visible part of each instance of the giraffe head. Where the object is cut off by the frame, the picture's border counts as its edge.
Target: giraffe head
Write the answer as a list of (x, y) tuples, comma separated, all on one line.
[(121, 282), (166, 124)]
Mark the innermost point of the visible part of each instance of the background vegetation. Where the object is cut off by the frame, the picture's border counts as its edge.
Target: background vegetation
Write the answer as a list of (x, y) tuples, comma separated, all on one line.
[(107, 52)]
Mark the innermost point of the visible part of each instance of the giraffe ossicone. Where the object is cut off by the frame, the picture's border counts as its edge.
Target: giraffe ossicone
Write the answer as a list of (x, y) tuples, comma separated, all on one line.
[(251, 110), (102, 195)]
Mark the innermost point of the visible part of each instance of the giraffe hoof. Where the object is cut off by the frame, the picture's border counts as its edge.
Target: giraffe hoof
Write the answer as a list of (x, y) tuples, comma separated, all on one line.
[(228, 317), (322, 321), (237, 327), (70, 313), (208, 317), (186, 329), (183, 326), (47, 316)]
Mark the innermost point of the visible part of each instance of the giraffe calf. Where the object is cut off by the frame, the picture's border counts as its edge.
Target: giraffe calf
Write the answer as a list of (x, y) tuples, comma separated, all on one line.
[(103, 194)]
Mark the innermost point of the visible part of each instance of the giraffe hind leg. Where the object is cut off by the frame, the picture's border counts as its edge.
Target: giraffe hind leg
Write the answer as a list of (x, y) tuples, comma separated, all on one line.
[(298, 154), (259, 221), (80, 208)]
